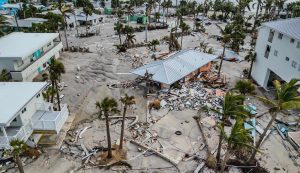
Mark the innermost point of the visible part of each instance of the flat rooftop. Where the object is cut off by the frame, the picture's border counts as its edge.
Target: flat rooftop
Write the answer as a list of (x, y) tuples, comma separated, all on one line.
[(19, 45), (14, 96)]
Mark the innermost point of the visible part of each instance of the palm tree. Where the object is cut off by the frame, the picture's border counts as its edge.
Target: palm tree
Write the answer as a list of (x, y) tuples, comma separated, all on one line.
[(127, 101), (17, 147), (49, 93), (153, 44), (245, 87), (184, 28), (239, 138), (119, 27), (4, 76), (88, 11), (130, 39), (107, 107), (56, 69), (286, 98), (232, 107), (225, 40), (211, 161), (3, 25), (63, 8), (250, 57)]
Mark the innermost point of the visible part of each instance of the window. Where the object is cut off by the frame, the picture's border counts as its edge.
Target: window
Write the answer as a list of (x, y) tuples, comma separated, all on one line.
[(24, 110), (298, 44), (14, 120), (49, 44), (45, 65), (271, 35), (294, 64), (292, 40), (37, 96), (280, 36), (267, 52), (275, 52), (287, 58)]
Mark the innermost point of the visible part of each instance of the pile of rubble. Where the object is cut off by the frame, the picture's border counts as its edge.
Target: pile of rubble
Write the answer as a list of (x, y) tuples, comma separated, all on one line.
[(192, 96)]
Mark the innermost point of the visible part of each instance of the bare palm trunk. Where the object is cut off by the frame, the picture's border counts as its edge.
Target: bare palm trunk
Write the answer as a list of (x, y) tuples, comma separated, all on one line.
[(16, 19), (227, 154), (86, 26), (219, 148), (250, 70), (222, 58), (262, 136), (109, 152), (52, 94), (65, 32), (181, 39), (123, 127), (76, 27), (19, 163), (57, 96)]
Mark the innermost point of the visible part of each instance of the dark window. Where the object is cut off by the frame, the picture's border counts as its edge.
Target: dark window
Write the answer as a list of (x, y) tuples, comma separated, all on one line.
[(45, 65), (292, 40), (37, 96), (267, 52), (271, 35), (280, 36), (14, 120), (287, 58)]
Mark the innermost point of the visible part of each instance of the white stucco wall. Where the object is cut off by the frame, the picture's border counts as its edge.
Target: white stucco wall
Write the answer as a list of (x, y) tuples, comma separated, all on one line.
[(278, 64)]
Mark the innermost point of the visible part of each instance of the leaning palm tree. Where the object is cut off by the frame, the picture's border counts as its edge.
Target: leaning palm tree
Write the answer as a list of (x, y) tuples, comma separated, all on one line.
[(17, 147), (225, 40), (232, 107), (238, 139), (107, 107), (127, 101), (286, 98), (184, 28), (56, 69)]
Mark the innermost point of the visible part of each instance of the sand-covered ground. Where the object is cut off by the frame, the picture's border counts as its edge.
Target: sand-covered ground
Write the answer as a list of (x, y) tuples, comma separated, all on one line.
[(87, 76)]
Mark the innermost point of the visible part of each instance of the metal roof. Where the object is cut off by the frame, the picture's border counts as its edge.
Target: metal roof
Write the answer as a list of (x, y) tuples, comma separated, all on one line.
[(288, 27), (19, 45), (175, 66), (14, 96)]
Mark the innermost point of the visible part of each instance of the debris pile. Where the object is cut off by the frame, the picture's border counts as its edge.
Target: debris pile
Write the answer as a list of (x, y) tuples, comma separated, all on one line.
[(193, 96)]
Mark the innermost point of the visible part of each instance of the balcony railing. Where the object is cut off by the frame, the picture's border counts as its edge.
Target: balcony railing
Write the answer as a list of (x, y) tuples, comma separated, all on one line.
[(54, 125), (26, 130), (23, 134), (33, 66)]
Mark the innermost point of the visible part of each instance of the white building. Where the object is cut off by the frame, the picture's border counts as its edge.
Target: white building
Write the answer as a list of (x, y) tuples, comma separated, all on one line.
[(24, 113), (278, 52), (25, 55)]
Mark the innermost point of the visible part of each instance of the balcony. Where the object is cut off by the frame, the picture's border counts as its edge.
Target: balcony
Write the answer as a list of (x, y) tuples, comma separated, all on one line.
[(22, 133), (43, 121), (32, 70)]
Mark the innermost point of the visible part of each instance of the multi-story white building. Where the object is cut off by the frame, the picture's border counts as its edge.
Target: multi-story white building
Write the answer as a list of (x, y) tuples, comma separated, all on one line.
[(25, 55), (25, 115), (278, 52)]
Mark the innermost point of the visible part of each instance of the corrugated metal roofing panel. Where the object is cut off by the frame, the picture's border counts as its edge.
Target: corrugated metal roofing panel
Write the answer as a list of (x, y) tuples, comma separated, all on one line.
[(176, 66), (289, 27)]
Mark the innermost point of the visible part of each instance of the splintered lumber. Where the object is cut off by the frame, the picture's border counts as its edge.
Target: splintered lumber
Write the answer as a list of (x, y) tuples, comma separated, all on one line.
[(82, 131), (156, 153), (84, 149), (134, 122), (199, 167), (260, 131), (115, 117)]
